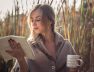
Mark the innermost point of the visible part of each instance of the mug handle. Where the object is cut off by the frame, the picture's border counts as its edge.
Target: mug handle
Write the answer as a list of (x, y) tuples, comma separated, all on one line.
[(81, 62)]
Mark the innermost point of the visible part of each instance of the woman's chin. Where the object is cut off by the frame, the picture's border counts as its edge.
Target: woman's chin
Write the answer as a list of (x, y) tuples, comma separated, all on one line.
[(37, 32)]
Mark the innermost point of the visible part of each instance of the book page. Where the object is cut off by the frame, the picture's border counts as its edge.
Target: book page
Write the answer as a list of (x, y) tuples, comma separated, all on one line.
[(4, 45)]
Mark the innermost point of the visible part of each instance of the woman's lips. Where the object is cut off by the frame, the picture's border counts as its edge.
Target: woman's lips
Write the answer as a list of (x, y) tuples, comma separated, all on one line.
[(35, 28)]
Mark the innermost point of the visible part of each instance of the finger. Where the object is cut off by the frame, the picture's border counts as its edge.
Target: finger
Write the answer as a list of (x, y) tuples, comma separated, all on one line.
[(10, 52), (19, 45), (12, 43)]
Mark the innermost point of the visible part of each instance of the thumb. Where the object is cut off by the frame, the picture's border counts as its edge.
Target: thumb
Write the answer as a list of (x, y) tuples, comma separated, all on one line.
[(9, 52)]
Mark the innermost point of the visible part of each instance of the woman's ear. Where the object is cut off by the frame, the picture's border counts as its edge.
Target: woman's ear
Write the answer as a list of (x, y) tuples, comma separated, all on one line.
[(49, 25), (49, 22)]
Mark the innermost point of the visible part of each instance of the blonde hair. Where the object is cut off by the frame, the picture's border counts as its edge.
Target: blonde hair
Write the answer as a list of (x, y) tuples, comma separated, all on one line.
[(48, 15)]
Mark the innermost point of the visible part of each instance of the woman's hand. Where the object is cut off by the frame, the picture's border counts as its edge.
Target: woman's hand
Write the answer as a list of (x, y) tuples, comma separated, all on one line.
[(16, 49), (17, 52)]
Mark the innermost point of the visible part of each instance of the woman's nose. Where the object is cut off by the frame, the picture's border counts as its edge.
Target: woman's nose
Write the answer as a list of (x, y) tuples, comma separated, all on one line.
[(34, 24)]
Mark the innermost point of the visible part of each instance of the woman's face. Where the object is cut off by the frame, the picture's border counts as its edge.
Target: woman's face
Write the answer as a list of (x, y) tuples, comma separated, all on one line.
[(36, 22)]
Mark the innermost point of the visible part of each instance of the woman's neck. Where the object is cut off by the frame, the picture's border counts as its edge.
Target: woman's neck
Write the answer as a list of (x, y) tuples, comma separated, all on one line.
[(49, 42), (48, 36)]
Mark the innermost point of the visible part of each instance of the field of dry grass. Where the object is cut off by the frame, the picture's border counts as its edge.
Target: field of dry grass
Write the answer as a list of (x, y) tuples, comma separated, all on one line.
[(77, 26)]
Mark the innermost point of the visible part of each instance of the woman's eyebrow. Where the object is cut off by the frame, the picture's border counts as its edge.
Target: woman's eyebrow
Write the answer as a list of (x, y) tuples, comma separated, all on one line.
[(35, 17), (38, 16)]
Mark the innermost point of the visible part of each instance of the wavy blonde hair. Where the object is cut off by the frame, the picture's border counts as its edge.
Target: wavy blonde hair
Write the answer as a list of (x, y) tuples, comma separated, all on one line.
[(48, 15)]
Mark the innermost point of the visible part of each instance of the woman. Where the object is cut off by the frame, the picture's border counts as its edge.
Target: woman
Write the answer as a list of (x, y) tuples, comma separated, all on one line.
[(50, 48)]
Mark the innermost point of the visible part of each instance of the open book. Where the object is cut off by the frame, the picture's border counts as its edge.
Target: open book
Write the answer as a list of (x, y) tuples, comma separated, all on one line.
[(4, 45)]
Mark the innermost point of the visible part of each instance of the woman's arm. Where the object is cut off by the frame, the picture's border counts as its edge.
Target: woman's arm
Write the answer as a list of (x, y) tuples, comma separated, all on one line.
[(23, 65), (17, 52)]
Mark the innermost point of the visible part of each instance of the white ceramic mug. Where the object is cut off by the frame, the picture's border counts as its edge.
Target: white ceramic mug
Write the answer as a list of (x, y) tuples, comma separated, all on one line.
[(73, 61)]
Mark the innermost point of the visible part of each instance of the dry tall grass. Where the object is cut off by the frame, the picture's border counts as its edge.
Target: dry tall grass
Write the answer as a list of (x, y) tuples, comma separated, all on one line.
[(77, 26)]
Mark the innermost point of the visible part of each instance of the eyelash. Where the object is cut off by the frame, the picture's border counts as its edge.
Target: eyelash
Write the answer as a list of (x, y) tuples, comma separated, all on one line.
[(36, 20)]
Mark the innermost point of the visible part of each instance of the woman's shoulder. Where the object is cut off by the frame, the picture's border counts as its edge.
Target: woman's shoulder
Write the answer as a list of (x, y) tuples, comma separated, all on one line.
[(65, 43), (60, 38), (68, 43), (59, 35)]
